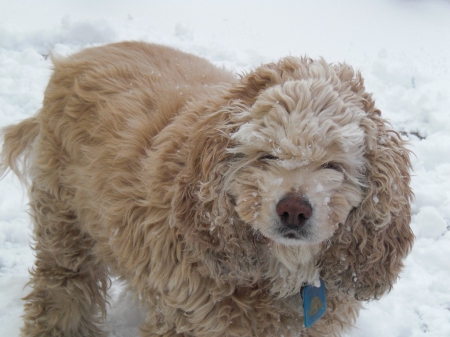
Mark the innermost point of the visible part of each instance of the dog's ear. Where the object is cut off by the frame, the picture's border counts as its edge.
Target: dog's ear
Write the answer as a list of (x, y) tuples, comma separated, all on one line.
[(366, 253), (203, 212), (199, 184)]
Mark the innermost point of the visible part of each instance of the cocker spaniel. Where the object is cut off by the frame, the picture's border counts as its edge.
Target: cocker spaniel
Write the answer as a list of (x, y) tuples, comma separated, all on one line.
[(266, 205)]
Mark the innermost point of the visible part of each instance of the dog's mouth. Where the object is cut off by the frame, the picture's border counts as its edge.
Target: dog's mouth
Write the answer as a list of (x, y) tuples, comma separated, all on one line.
[(284, 234), (288, 236), (291, 236), (294, 233)]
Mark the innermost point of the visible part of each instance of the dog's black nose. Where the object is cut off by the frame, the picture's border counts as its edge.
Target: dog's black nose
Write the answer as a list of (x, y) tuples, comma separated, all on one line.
[(294, 210)]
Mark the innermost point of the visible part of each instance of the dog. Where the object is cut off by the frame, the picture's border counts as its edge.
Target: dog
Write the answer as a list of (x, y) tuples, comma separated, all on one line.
[(220, 200)]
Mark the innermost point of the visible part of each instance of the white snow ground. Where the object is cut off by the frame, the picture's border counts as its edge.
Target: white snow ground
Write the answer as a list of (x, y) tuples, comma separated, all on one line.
[(402, 48)]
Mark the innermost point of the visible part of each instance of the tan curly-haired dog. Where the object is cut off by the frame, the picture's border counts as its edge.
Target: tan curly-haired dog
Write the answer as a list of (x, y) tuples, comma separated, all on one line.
[(216, 198)]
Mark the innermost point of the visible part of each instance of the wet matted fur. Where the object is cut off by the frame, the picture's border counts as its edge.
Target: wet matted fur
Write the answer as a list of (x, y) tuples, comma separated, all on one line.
[(215, 197)]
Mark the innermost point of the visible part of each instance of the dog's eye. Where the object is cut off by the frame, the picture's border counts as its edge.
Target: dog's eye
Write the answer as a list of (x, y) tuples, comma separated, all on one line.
[(268, 157), (332, 166)]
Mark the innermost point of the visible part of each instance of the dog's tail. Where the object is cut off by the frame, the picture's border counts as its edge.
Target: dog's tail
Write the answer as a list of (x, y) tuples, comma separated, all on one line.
[(17, 144)]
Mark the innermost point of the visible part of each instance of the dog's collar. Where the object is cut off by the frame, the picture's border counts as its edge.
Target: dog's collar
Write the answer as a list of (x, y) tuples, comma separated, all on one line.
[(314, 302)]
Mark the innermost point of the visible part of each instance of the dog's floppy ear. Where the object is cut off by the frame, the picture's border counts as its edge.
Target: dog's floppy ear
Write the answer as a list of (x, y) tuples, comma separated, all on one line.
[(199, 185), (365, 255), (202, 210)]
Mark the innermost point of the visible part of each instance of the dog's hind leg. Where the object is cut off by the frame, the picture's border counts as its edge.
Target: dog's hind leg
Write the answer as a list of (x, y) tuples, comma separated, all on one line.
[(68, 284)]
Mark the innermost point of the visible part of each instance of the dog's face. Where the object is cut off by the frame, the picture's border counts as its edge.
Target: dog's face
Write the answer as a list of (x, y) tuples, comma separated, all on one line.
[(301, 159)]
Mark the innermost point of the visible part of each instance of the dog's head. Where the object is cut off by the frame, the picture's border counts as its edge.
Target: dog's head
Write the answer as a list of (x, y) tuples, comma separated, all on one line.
[(301, 161), (294, 162)]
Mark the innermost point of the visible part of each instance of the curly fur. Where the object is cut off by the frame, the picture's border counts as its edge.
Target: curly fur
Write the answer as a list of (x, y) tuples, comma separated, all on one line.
[(154, 165)]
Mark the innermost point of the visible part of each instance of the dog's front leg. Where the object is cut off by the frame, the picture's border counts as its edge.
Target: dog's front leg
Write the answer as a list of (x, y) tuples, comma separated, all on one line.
[(68, 284)]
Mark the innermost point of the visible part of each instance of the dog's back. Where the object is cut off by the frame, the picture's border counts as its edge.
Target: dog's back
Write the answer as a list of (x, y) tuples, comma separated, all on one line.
[(132, 78), (117, 84), (117, 96)]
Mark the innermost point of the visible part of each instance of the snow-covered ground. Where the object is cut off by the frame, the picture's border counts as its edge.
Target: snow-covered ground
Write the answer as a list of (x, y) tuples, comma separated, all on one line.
[(401, 47)]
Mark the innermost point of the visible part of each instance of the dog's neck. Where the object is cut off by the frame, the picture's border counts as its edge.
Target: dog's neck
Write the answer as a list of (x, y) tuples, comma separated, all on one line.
[(290, 267)]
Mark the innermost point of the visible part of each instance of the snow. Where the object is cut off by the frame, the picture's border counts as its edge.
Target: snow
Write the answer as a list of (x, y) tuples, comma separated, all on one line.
[(402, 48)]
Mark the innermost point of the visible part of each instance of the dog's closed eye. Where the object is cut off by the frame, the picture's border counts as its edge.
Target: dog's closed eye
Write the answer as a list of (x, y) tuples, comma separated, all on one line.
[(268, 157), (332, 166)]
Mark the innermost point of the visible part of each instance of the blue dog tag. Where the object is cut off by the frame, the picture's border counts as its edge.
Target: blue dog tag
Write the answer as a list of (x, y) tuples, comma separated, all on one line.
[(314, 303)]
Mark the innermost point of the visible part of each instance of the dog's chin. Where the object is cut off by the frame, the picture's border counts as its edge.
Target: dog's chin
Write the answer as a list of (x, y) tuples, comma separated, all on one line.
[(287, 241), (291, 238)]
